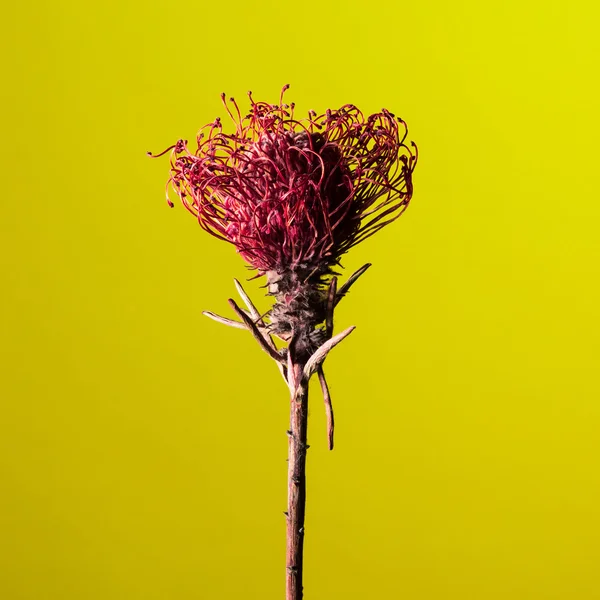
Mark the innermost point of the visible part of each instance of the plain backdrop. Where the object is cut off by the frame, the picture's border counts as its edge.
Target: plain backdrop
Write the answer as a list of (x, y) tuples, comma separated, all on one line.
[(142, 446)]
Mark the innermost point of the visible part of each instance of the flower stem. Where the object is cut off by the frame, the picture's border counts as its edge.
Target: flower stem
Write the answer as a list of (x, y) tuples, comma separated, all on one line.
[(297, 447), (303, 361)]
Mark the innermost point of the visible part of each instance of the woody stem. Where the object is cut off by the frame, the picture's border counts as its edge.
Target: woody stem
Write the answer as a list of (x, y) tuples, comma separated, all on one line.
[(297, 447)]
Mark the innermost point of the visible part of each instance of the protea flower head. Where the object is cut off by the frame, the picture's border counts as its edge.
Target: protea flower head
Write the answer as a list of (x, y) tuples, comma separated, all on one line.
[(293, 195)]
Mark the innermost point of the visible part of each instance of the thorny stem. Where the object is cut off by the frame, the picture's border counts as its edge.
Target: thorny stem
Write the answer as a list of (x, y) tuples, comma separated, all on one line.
[(296, 507), (297, 373)]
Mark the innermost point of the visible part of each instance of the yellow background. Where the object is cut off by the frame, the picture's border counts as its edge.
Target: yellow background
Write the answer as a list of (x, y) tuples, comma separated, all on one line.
[(143, 446)]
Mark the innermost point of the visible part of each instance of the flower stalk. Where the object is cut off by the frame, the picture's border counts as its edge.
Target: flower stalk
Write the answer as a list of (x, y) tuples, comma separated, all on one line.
[(297, 370), (296, 507)]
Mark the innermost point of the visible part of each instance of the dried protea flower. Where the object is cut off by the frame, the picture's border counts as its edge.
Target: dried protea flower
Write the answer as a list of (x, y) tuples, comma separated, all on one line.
[(293, 195)]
